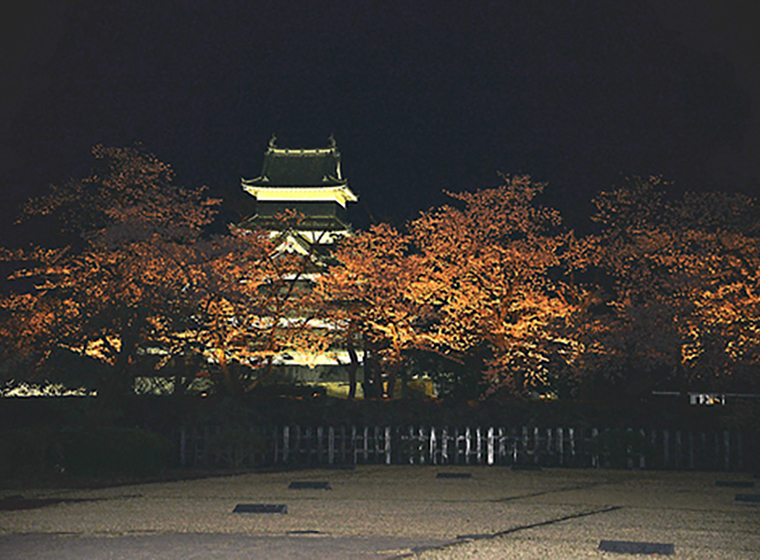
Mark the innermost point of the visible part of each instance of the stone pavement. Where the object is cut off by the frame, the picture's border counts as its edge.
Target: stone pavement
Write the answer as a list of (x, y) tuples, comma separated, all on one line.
[(394, 511)]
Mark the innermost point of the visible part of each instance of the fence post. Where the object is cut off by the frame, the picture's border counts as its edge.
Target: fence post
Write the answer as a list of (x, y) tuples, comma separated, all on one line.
[(387, 445), (691, 449), (456, 446), (218, 450), (727, 449), (330, 445), (354, 447), (192, 446), (572, 444), (320, 444), (703, 454), (308, 447), (515, 446), (489, 446), (285, 443), (659, 464), (498, 446), (366, 444), (676, 455), (666, 448), (432, 448), (445, 446), (419, 446), (182, 448), (376, 444), (410, 444), (297, 453), (526, 444), (467, 445), (716, 448), (206, 438), (739, 451), (343, 444), (275, 446), (199, 452), (311, 445)]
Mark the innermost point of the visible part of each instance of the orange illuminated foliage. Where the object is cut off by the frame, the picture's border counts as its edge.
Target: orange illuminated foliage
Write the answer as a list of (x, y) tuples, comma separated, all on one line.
[(373, 293), (487, 267), (123, 295), (256, 302), (680, 295), (149, 287), (461, 278), (664, 291), (129, 195)]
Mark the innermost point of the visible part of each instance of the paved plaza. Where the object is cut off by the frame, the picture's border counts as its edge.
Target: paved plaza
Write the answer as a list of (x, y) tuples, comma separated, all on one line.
[(391, 512)]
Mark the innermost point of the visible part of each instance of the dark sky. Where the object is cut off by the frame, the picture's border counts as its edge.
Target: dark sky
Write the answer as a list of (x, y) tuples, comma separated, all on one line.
[(421, 95)]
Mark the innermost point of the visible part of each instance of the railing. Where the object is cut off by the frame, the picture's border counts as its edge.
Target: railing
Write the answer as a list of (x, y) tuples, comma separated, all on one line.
[(298, 446)]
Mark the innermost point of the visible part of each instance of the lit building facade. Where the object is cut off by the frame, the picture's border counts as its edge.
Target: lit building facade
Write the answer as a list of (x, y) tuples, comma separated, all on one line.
[(311, 183)]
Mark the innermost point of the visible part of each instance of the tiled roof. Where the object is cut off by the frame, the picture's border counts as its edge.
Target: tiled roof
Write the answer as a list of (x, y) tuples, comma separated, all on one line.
[(299, 168)]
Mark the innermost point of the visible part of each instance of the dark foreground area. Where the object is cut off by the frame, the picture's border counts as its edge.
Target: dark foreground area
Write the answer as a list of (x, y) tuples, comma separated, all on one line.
[(178, 546), (64, 442), (429, 512)]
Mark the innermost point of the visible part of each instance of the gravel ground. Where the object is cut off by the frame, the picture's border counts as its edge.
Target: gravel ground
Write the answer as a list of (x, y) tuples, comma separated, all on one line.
[(497, 513)]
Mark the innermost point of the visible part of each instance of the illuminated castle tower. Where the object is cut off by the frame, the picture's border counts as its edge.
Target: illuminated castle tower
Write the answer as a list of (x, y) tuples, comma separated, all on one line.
[(309, 182), (306, 181)]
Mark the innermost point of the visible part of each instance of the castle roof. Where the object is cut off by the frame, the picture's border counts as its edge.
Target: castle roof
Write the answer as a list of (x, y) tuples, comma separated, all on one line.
[(305, 175)]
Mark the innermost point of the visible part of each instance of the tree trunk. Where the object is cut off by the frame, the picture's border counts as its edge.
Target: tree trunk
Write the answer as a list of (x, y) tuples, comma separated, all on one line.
[(231, 381), (352, 368), (116, 385), (372, 377), (392, 371)]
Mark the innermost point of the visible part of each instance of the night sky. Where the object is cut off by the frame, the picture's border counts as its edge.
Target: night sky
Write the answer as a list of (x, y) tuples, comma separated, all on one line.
[(421, 95)]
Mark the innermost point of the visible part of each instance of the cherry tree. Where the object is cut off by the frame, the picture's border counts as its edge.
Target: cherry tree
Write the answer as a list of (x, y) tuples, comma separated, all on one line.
[(374, 293), (124, 290), (256, 301), (495, 267), (146, 286), (678, 289)]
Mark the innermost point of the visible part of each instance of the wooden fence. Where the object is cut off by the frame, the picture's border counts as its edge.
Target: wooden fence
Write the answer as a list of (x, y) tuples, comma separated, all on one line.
[(297, 446)]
